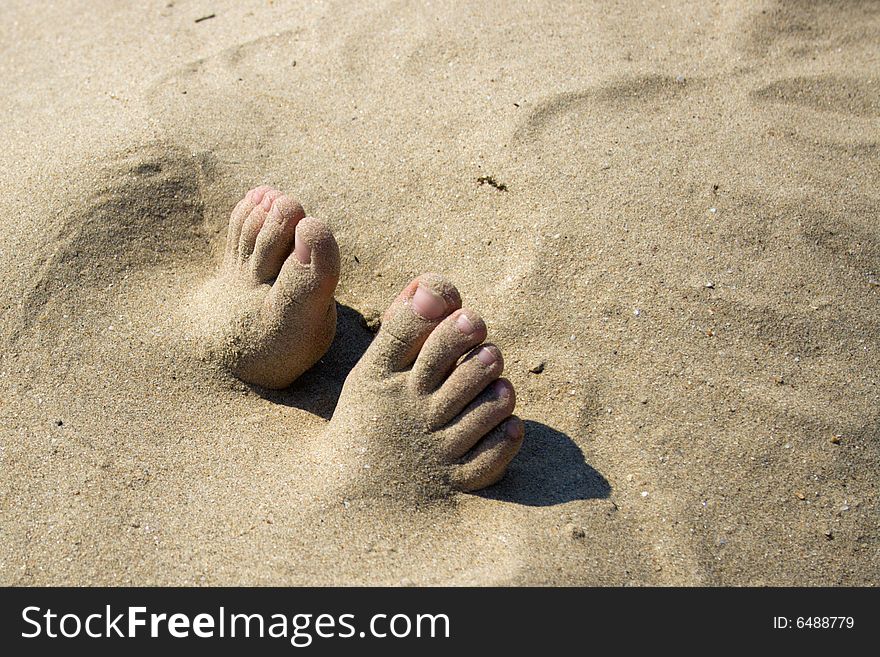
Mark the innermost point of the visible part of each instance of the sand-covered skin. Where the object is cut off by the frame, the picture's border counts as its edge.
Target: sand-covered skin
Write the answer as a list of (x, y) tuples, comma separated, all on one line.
[(268, 313), (668, 212), (424, 412)]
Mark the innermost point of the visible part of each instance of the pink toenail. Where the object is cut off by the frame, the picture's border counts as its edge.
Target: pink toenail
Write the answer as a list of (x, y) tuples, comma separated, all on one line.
[(512, 429), (501, 389), (428, 303), (268, 200), (485, 356), (302, 251), (256, 195), (464, 324)]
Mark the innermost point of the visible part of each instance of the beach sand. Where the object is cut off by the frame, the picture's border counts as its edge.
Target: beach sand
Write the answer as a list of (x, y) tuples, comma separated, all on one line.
[(666, 213)]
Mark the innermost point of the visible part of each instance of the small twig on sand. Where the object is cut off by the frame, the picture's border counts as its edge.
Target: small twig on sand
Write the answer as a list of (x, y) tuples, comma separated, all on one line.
[(489, 180)]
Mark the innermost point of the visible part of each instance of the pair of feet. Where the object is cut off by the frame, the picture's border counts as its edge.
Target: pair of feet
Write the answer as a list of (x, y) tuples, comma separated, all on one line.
[(424, 407)]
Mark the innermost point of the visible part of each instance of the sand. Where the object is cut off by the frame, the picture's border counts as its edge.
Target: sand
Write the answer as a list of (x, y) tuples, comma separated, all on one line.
[(665, 213)]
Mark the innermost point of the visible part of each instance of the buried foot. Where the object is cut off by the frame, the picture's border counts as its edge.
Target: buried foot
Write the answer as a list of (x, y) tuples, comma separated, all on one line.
[(269, 314), (424, 411)]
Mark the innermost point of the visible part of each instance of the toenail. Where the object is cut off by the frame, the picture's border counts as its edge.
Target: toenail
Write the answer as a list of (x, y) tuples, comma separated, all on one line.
[(268, 199), (302, 251), (502, 389), (257, 195), (511, 429), (428, 303), (485, 356), (276, 213), (464, 324)]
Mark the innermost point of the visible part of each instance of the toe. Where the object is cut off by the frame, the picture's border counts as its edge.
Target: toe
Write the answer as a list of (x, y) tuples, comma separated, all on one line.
[(319, 273), (408, 322), (452, 338), (473, 375), (488, 410), (316, 248), (249, 232), (253, 224), (237, 219), (257, 193), (275, 239), (487, 462), (268, 198)]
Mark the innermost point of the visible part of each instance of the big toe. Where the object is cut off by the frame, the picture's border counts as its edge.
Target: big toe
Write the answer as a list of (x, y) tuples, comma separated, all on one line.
[(298, 317), (425, 302), (311, 271)]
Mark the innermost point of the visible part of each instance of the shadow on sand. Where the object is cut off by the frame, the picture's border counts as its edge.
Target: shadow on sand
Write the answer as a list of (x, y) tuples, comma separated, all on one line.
[(549, 469), (317, 390)]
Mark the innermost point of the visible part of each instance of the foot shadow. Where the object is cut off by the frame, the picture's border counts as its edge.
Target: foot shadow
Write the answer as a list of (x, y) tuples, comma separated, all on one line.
[(317, 391), (549, 469)]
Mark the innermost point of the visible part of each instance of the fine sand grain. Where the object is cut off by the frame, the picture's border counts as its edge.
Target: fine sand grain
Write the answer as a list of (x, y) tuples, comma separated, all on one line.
[(665, 213)]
